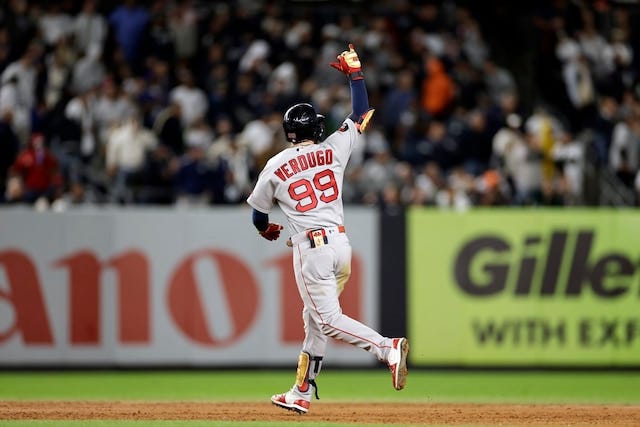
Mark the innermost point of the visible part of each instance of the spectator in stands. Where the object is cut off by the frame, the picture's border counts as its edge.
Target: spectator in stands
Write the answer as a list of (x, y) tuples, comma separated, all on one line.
[(469, 82), (593, 46), (569, 156), (580, 90), (435, 145), (192, 99), (433, 77), (520, 161), (36, 171), (497, 113), (55, 24), (246, 99), (228, 153), (57, 76), (506, 144), (543, 129), (9, 146), (404, 183), (156, 179), (183, 22), (625, 146), (456, 194), (199, 133), (376, 173), (21, 24), (76, 144), (224, 138), (112, 109), (620, 55), (282, 84), (398, 103), (498, 81), (158, 41), (527, 171), (217, 87), (126, 150), (605, 120), (490, 189), (168, 127), (427, 184), (155, 94), (88, 71), (438, 89), (19, 89), (475, 143), (390, 199), (89, 28), (16, 115), (129, 23), (132, 84), (194, 179), (471, 38), (80, 111), (258, 135)]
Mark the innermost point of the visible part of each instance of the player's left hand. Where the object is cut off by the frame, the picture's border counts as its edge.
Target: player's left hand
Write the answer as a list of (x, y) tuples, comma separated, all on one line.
[(349, 63), (272, 232)]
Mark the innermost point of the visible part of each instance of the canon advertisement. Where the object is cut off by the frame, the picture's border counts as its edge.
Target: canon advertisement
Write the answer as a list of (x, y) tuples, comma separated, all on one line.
[(163, 287)]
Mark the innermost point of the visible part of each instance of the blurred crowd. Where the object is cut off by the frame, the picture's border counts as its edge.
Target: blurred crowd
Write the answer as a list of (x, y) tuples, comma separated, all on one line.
[(181, 101)]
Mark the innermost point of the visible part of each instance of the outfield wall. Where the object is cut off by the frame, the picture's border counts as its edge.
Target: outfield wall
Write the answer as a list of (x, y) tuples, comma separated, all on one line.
[(167, 287), (162, 287), (534, 287)]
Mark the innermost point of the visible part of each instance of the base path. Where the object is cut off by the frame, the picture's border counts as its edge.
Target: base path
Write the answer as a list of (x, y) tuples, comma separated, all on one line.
[(382, 413)]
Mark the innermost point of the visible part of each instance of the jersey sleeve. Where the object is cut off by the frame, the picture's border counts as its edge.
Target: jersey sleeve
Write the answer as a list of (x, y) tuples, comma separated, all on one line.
[(345, 138), (262, 196)]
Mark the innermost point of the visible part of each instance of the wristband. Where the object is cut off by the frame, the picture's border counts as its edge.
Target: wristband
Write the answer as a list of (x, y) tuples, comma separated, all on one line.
[(356, 75)]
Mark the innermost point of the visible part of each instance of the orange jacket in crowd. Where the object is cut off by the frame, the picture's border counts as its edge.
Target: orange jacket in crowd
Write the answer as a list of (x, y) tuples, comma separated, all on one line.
[(437, 88)]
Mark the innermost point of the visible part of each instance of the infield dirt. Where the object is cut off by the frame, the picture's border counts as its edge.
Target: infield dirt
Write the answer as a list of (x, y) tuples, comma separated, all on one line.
[(382, 413)]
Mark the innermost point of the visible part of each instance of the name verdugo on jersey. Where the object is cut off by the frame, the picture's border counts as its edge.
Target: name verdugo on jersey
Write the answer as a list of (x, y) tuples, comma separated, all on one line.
[(303, 162)]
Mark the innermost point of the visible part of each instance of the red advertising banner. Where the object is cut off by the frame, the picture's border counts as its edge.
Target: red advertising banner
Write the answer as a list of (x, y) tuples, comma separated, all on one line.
[(161, 287)]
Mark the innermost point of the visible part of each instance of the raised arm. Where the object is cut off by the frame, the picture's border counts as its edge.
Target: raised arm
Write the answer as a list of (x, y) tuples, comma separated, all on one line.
[(349, 64)]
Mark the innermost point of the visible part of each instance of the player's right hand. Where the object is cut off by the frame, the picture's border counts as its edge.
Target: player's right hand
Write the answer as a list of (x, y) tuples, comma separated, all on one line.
[(272, 232), (349, 64)]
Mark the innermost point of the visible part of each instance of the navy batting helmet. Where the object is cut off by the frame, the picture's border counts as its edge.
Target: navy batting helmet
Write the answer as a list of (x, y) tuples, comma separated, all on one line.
[(302, 122)]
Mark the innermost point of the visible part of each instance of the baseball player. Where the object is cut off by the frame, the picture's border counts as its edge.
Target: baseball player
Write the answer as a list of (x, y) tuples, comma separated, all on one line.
[(305, 180)]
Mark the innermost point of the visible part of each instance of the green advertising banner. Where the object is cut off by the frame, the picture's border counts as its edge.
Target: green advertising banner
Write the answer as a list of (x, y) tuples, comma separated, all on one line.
[(531, 287)]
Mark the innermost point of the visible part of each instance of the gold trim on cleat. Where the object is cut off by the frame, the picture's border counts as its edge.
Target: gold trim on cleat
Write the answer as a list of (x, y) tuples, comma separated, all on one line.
[(303, 368)]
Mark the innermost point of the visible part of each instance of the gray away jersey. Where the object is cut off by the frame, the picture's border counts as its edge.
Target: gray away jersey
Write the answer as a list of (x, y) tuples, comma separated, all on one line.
[(306, 181)]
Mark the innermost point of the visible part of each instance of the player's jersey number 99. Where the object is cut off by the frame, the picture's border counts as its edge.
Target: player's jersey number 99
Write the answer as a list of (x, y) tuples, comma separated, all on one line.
[(308, 193)]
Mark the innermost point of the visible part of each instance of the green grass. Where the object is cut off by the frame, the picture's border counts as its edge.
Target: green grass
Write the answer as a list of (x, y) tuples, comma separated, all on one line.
[(334, 385), (365, 386)]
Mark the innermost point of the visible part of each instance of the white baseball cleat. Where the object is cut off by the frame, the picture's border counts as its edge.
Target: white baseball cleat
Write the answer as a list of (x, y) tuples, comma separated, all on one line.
[(293, 400), (397, 362)]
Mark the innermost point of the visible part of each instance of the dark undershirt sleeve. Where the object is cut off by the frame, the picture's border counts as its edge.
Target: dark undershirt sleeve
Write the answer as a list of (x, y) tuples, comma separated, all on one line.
[(359, 99), (260, 220)]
